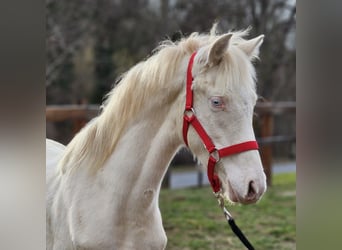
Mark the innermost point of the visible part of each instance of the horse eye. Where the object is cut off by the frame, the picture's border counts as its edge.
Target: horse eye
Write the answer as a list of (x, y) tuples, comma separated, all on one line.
[(217, 102)]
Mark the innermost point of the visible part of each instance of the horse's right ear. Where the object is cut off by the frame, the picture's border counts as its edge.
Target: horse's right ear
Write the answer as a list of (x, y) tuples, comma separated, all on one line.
[(218, 49)]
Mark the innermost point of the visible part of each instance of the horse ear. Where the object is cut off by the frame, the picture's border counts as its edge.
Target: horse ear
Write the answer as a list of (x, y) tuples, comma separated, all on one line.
[(218, 49), (251, 47)]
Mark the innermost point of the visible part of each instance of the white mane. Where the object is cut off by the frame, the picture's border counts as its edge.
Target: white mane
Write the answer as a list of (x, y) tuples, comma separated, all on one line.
[(95, 143)]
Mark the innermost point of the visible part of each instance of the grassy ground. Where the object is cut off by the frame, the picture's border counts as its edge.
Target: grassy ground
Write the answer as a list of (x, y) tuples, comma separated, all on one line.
[(192, 219)]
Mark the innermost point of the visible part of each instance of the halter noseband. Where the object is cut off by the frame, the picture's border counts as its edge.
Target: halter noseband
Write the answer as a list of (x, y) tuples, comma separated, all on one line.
[(214, 154)]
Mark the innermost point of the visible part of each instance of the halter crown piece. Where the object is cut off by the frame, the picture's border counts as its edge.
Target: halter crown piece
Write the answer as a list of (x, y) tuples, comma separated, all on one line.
[(214, 154)]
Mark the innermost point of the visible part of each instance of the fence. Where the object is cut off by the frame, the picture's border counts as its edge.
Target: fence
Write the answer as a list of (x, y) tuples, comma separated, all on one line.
[(80, 114), (266, 112)]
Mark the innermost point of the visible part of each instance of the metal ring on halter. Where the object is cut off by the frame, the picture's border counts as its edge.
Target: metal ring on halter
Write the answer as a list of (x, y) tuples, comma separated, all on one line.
[(189, 112), (215, 154)]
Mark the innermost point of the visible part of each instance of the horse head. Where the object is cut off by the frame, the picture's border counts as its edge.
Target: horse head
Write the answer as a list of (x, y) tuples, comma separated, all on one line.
[(224, 95)]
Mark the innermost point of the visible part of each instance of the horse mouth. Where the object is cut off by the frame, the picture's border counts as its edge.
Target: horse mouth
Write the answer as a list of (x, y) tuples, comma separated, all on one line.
[(231, 194)]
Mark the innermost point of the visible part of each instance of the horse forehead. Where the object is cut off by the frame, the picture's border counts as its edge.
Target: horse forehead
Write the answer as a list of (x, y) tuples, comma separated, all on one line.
[(240, 88), (217, 77), (234, 88)]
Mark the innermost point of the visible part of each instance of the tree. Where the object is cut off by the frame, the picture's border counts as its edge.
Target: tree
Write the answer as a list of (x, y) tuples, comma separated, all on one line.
[(119, 33), (276, 19), (68, 30)]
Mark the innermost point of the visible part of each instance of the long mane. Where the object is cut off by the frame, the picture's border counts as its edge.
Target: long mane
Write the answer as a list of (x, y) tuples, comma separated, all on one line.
[(93, 145)]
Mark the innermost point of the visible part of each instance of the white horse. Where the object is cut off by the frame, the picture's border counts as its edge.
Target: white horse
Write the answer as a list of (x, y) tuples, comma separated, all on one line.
[(103, 187)]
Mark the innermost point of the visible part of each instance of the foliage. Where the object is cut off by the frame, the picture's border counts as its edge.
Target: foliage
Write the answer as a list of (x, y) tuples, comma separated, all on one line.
[(67, 23), (275, 19), (136, 27), (104, 67), (91, 43), (193, 220)]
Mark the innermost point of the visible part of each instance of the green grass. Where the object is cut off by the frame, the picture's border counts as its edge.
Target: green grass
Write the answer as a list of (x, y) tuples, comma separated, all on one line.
[(192, 219)]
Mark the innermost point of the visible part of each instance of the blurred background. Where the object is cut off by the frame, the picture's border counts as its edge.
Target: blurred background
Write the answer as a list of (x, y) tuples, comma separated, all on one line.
[(89, 44)]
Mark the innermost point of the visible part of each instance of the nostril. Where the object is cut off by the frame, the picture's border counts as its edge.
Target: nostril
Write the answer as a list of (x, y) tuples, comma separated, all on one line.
[(251, 191)]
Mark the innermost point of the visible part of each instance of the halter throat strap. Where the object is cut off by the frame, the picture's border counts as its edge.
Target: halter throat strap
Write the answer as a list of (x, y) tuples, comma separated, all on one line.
[(215, 154)]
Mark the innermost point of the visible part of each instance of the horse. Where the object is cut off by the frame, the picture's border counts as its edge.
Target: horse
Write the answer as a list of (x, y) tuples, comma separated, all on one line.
[(103, 187)]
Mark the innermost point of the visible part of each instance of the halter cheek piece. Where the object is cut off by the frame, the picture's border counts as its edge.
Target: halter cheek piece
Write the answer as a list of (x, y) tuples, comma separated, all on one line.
[(215, 154), (189, 118)]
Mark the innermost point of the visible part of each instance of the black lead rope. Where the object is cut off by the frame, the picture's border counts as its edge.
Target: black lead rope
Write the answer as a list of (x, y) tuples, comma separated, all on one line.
[(239, 234), (232, 223)]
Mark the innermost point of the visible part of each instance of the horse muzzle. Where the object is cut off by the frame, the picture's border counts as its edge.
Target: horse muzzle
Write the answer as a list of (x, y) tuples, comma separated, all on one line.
[(250, 194)]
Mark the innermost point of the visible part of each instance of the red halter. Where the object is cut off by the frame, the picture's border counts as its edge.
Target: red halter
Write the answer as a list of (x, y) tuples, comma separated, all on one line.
[(214, 154)]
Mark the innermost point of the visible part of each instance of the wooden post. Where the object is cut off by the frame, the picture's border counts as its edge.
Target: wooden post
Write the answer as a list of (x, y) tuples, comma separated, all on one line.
[(266, 150)]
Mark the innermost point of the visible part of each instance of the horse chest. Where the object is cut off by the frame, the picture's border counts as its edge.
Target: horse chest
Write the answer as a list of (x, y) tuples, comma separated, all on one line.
[(102, 219)]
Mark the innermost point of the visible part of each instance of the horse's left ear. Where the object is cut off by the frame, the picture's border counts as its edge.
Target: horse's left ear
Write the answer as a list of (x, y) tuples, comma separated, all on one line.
[(218, 49), (251, 47)]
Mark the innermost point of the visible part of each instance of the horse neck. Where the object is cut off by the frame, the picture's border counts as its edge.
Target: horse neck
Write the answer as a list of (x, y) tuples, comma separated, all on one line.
[(141, 157)]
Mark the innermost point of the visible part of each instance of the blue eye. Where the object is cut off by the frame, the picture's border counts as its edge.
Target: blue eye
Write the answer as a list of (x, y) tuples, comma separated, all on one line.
[(217, 102)]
